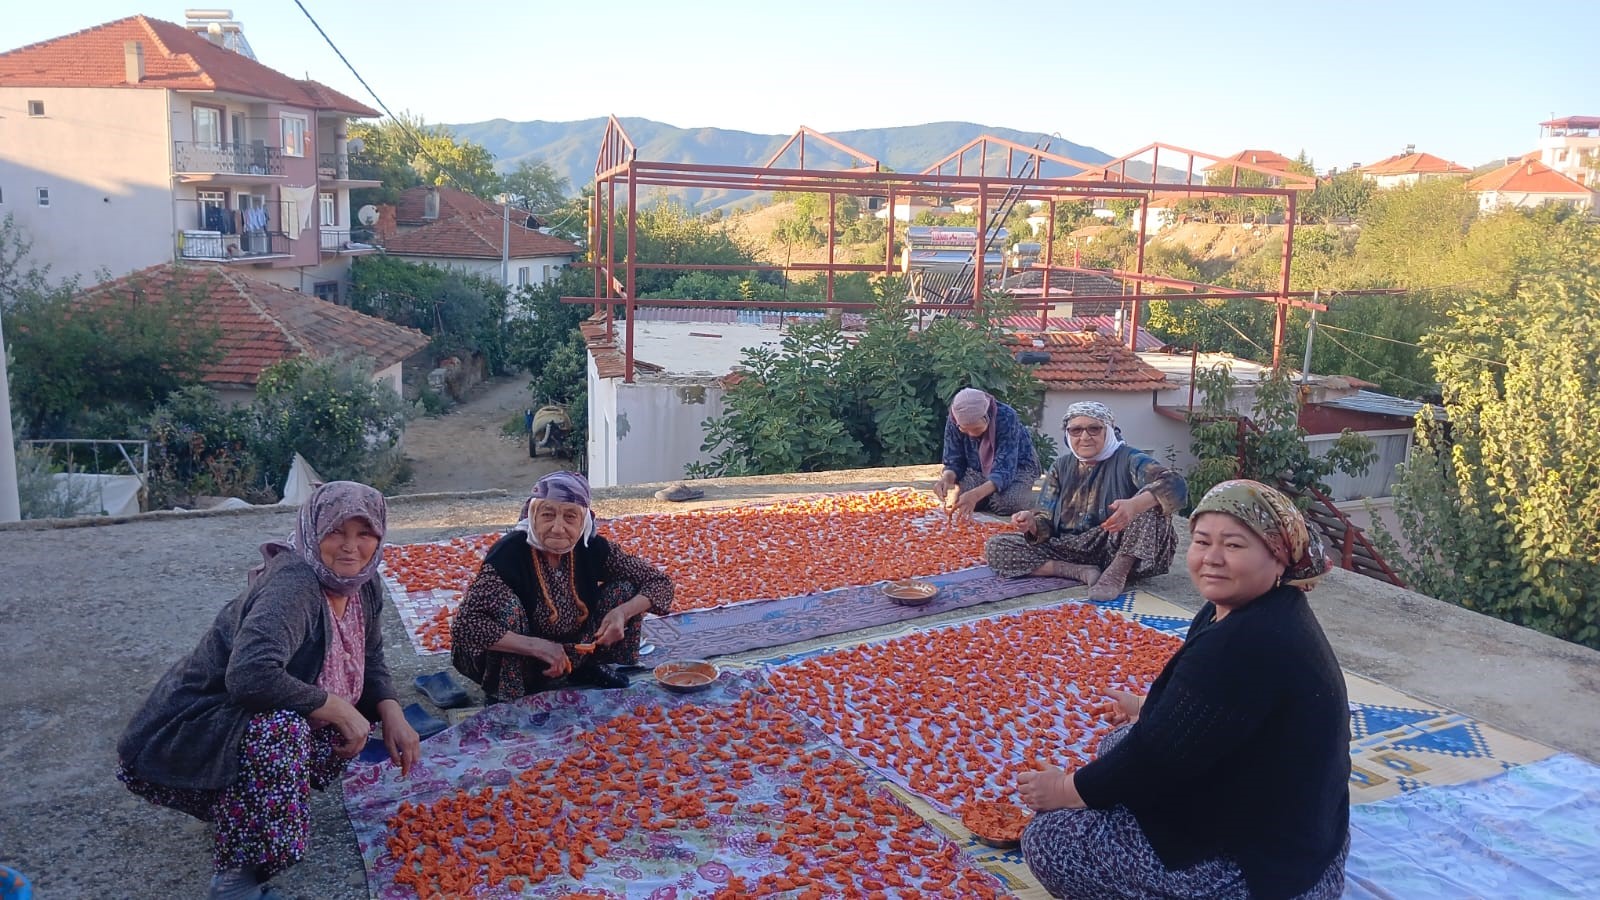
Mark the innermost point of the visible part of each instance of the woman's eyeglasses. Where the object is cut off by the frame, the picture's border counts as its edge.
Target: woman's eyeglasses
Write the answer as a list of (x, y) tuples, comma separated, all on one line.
[(1081, 430)]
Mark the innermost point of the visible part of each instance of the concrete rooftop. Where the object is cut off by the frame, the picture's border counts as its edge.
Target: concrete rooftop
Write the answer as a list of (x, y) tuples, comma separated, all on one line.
[(708, 349), (96, 613)]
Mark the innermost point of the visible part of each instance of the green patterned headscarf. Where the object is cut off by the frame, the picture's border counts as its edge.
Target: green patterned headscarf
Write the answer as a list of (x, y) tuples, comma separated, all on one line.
[(1274, 518)]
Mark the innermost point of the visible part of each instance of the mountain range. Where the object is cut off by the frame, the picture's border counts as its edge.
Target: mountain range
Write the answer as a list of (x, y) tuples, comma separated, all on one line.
[(571, 147)]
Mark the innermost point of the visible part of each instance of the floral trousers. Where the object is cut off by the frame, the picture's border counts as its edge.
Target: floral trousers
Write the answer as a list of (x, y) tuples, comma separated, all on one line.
[(1149, 539), (262, 819)]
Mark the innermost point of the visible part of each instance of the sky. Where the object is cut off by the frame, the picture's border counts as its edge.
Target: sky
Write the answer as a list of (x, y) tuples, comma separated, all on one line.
[(1346, 81)]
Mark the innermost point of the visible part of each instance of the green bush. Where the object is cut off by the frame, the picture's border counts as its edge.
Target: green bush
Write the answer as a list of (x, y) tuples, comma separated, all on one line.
[(332, 413)]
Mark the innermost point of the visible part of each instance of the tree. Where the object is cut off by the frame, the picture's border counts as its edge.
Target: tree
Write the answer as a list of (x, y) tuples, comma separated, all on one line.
[(405, 152), (1498, 507), (96, 367), (332, 413), (1343, 196), (537, 187), (462, 313)]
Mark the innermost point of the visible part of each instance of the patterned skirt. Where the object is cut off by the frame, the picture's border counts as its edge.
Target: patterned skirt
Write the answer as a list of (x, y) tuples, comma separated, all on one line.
[(1149, 539), (1103, 853), (262, 819), (1003, 503)]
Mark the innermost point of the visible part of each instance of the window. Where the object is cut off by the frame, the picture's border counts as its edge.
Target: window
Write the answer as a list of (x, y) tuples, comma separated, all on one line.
[(296, 139), (2, 196), (36, 108), (524, 273), (237, 132), (327, 211), (546, 275), (326, 290), (213, 210), (207, 126), (44, 196)]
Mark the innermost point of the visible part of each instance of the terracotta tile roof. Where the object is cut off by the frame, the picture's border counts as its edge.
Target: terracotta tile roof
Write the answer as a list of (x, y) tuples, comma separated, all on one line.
[(175, 58), (262, 323), (1266, 159), (1028, 326), (609, 361), (1573, 122), (1415, 163), (1088, 361), (409, 207), (476, 236), (1526, 177)]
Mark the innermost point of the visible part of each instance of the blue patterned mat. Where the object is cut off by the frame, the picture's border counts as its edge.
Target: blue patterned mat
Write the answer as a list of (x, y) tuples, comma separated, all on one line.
[(1532, 831)]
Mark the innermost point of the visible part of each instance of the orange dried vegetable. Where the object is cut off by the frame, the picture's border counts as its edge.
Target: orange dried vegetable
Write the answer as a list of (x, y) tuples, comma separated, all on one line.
[(970, 705), (546, 826), (995, 820)]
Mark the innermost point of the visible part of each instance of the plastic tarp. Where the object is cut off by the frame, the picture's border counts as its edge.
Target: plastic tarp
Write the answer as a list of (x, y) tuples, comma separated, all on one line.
[(301, 482), (1532, 831), (95, 495)]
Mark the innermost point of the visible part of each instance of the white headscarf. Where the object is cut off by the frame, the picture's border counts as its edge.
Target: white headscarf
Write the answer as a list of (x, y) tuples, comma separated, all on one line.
[(1091, 409)]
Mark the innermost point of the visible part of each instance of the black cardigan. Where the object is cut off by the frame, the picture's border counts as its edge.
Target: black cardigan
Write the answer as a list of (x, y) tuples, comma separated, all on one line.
[(264, 652), (1242, 749)]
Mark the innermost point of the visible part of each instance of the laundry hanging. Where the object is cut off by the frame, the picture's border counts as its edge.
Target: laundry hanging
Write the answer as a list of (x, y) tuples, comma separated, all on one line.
[(298, 216)]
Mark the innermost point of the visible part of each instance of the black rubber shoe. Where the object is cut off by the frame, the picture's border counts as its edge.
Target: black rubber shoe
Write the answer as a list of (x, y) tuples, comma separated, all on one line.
[(600, 675)]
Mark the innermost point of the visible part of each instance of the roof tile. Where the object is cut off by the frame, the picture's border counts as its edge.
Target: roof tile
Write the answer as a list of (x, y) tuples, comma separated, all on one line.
[(1415, 163), (1088, 361), (476, 235), (1527, 177)]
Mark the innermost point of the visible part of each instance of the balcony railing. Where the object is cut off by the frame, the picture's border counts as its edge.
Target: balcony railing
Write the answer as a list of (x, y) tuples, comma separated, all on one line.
[(347, 240), (346, 166), (209, 231), (229, 159)]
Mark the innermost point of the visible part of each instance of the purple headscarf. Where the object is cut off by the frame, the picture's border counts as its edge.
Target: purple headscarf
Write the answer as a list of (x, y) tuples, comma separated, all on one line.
[(327, 509), (557, 487)]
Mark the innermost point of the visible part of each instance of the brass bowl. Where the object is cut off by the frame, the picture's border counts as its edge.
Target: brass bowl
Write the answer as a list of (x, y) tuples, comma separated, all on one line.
[(686, 676), (911, 591)]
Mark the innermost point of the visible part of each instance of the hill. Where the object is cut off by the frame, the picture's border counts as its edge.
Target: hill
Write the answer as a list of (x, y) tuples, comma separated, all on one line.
[(570, 147)]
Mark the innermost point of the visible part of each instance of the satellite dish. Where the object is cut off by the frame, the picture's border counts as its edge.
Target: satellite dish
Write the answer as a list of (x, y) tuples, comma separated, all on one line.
[(367, 215), (356, 145)]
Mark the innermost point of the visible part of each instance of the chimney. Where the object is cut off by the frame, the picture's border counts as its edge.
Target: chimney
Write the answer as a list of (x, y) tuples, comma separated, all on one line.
[(132, 62)]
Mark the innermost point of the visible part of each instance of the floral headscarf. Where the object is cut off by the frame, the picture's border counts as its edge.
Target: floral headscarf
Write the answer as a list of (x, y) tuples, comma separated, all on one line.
[(557, 487), (1274, 518), (326, 511), (1093, 410)]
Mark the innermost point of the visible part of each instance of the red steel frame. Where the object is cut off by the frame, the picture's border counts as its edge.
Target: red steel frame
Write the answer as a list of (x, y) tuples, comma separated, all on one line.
[(617, 165)]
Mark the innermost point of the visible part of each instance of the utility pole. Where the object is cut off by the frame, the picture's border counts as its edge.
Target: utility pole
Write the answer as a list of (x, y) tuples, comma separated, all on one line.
[(1311, 335), (10, 505), (505, 241)]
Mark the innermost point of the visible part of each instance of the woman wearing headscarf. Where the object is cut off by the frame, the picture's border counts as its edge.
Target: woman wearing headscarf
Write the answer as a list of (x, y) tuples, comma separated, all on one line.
[(554, 599), (989, 460), (1105, 512), (1230, 779), (279, 695)]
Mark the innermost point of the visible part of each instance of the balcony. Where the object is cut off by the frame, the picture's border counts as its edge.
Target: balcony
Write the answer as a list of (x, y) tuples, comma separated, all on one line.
[(210, 232), (351, 170), (205, 158), (336, 241)]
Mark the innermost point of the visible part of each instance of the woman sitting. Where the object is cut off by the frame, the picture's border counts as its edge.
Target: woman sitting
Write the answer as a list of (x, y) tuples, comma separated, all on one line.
[(1231, 778), (1105, 512), (989, 460), (279, 694), (554, 599)]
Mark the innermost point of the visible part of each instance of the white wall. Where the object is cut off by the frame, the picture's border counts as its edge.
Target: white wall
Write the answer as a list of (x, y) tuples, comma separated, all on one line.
[(490, 268), (602, 416), (393, 377), (105, 154), (659, 427), (1489, 201)]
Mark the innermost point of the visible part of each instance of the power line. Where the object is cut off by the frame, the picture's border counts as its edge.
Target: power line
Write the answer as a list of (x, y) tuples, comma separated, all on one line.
[(1374, 365), (1379, 337)]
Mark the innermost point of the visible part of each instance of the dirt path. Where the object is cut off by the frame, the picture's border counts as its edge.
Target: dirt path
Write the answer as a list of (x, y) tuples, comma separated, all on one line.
[(463, 450)]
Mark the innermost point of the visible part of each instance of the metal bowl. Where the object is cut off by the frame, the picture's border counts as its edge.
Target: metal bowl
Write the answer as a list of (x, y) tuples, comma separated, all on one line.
[(686, 676), (988, 839), (911, 591)]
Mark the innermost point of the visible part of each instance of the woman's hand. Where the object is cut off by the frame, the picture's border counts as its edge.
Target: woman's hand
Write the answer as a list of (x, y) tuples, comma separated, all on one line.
[(947, 480), (1045, 789), (401, 740), (553, 655), (1126, 706), (1025, 521), (1123, 512), (353, 726), (611, 627)]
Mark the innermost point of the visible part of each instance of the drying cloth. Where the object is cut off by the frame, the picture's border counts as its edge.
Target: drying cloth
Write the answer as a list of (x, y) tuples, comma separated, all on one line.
[(301, 201)]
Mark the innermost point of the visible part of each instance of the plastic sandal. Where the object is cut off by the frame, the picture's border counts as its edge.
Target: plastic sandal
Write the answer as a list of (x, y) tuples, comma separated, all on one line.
[(679, 492), (426, 724), (442, 690)]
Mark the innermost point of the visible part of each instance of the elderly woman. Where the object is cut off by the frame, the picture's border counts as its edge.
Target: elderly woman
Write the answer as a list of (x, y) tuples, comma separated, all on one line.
[(989, 460), (280, 693), (1105, 513), (1230, 779), (554, 599)]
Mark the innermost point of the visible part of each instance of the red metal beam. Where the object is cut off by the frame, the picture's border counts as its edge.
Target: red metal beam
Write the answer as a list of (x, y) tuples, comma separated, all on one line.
[(984, 140), (870, 163)]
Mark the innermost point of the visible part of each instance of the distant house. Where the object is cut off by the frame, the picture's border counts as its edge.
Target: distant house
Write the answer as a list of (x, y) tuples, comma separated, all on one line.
[(1265, 159), (1163, 211), (1408, 168), (908, 208), (1571, 145), (262, 323), (141, 141), (1529, 184), (455, 230), (1087, 365)]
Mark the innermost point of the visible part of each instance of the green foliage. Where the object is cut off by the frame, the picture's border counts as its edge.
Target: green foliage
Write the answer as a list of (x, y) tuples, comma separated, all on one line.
[(1274, 450), (95, 369), (543, 339), (818, 402), (199, 447), (1498, 510), (462, 313), (537, 187), (407, 152), (41, 496), (1341, 197), (332, 413)]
